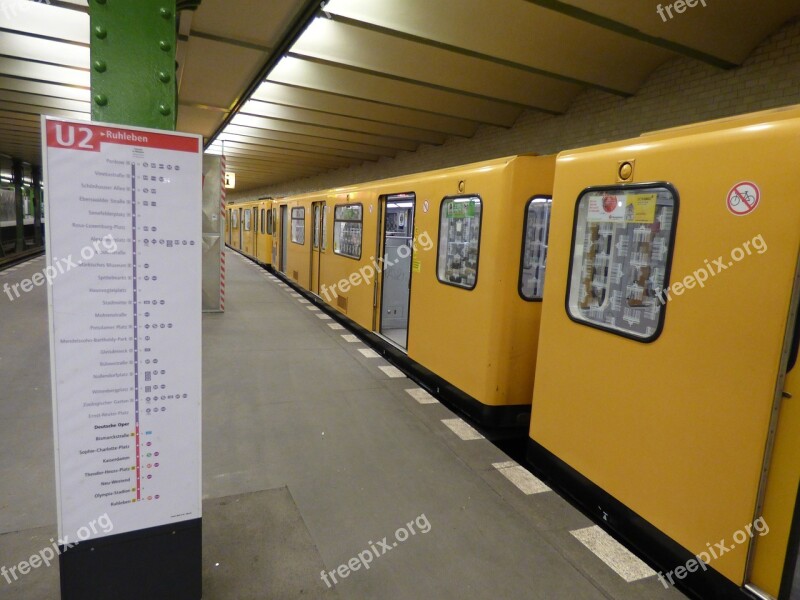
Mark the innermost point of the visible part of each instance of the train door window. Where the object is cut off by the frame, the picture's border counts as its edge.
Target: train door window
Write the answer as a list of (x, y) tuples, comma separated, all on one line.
[(347, 230), (299, 225), (459, 241), (247, 217), (316, 232), (324, 228), (621, 255), (263, 220), (235, 219), (534, 247)]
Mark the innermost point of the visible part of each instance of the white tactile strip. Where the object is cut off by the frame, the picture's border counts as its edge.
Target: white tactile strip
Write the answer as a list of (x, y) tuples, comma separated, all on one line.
[(525, 481), (615, 555), (392, 372), (349, 337), (369, 353), (421, 396), (312, 308), (336, 326), (323, 316), (303, 301), (462, 429)]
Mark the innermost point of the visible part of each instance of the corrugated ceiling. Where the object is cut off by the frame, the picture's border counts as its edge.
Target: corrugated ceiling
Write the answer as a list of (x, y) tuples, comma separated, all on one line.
[(293, 87)]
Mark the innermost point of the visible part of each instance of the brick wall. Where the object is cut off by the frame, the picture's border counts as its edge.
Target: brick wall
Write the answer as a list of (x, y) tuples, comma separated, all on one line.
[(681, 91)]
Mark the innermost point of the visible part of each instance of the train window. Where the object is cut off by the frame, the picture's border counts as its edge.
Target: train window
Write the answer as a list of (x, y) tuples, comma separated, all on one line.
[(269, 221), (274, 220), (459, 241), (533, 263), (246, 219), (263, 220), (234, 218), (315, 233), (324, 227), (299, 225), (621, 254), (347, 230)]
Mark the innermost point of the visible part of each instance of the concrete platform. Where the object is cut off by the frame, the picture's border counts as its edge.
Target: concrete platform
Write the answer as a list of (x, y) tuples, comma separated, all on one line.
[(314, 456)]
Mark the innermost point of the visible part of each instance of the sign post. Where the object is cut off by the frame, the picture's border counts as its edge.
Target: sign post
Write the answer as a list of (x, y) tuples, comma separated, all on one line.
[(124, 267)]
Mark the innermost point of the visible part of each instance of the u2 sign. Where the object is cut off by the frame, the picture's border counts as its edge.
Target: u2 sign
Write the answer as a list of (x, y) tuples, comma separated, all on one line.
[(743, 198)]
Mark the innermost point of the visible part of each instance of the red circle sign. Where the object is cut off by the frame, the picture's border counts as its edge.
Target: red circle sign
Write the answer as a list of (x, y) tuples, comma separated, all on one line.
[(743, 198), (609, 203)]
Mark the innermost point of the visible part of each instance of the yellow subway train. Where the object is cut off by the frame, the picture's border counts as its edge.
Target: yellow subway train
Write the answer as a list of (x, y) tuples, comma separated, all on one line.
[(655, 369), (399, 258)]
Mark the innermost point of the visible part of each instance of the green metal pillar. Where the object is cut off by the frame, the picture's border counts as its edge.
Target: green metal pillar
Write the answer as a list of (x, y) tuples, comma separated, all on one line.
[(36, 175), (19, 203), (133, 62)]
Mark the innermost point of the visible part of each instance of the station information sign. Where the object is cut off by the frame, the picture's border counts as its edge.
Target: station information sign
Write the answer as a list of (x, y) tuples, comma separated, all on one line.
[(123, 235)]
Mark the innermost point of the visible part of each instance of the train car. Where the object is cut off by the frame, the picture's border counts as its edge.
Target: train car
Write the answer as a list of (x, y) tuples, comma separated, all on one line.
[(401, 258), (665, 399)]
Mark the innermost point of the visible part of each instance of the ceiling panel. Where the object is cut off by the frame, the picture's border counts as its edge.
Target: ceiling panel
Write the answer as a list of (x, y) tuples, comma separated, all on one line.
[(344, 44), (39, 18), (324, 132), (308, 139), (290, 147), (287, 95), (216, 73), (326, 119), (256, 22), (303, 73), (727, 30), (532, 36)]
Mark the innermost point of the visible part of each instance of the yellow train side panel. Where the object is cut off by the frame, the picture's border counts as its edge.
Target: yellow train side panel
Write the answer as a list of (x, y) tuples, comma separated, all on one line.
[(248, 231), (235, 227), (450, 331), (341, 284), (263, 235), (298, 256), (784, 476), (676, 429)]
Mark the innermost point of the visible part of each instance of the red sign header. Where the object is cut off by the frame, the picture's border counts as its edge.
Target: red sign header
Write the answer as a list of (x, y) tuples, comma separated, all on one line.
[(89, 137)]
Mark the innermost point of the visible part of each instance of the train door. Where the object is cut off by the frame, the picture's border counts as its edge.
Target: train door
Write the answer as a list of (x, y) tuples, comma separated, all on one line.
[(273, 223), (774, 564), (254, 252), (241, 229), (397, 215), (284, 237), (318, 209)]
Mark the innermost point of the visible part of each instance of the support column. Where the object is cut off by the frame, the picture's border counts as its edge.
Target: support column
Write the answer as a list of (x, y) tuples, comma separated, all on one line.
[(133, 62), (19, 201), (37, 205)]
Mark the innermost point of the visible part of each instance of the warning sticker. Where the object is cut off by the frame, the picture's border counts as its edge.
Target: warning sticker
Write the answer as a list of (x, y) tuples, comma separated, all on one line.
[(743, 198)]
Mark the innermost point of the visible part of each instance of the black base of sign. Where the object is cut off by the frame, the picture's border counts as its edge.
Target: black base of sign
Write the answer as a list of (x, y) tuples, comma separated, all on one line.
[(160, 562)]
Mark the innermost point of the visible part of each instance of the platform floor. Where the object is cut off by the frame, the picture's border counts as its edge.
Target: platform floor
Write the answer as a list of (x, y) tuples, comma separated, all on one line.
[(315, 450)]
